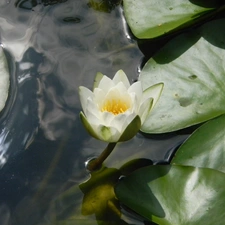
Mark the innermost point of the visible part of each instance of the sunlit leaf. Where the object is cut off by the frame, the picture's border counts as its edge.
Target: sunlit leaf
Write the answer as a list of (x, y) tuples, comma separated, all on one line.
[(175, 195), (150, 19), (4, 79), (192, 69), (205, 147)]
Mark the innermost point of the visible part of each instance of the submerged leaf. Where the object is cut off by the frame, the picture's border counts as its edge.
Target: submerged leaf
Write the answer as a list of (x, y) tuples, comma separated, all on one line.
[(99, 197)]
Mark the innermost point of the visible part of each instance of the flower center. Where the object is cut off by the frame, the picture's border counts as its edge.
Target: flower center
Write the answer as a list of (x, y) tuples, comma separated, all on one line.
[(115, 106)]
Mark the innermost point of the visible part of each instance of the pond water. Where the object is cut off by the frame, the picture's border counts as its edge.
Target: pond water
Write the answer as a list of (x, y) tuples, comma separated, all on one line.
[(52, 48)]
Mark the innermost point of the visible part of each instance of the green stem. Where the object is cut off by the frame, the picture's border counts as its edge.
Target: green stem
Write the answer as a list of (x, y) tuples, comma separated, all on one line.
[(97, 163)]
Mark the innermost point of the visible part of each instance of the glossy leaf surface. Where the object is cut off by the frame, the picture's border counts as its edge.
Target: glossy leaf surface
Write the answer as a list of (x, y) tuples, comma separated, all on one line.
[(169, 195), (191, 67), (150, 19), (205, 147)]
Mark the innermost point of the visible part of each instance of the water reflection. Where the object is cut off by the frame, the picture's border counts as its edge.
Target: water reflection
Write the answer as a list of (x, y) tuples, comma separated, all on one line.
[(30, 4), (4, 214), (104, 5), (52, 50)]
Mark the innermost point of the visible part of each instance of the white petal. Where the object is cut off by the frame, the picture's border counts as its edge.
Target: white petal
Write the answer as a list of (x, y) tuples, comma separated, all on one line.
[(85, 93), (130, 117), (134, 103), (137, 89), (107, 118), (118, 93), (105, 84), (153, 92), (120, 76), (92, 111), (92, 117), (121, 121), (99, 97), (145, 109), (90, 129), (121, 87)]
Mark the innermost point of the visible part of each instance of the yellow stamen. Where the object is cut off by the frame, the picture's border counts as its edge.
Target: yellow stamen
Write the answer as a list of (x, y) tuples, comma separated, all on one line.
[(115, 106)]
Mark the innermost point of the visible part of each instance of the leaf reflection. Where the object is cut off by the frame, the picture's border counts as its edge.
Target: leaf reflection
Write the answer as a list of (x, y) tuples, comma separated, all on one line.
[(103, 5)]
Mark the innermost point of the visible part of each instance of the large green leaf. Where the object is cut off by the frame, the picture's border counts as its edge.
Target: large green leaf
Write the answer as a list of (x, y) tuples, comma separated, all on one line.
[(4, 79), (205, 147), (192, 69), (175, 195), (152, 18)]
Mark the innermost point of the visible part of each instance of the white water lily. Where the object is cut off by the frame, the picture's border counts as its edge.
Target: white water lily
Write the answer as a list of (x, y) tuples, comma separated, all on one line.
[(116, 110)]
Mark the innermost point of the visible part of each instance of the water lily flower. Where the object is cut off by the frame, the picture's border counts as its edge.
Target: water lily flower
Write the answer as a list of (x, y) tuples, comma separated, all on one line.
[(115, 110)]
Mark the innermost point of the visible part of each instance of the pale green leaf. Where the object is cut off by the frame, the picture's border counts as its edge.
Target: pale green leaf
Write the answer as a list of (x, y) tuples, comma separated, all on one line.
[(192, 69), (150, 19)]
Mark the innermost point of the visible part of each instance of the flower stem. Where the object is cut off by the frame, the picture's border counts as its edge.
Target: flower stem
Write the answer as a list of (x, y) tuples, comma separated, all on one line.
[(97, 163)]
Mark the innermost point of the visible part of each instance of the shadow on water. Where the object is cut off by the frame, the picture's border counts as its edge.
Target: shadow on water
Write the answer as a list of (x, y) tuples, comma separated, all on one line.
[(52, 49)]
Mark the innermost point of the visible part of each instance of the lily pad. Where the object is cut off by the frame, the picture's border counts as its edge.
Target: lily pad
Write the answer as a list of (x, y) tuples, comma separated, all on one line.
[(191, 67), (4, 79), (150, 19), (205, 147), (169, 195)]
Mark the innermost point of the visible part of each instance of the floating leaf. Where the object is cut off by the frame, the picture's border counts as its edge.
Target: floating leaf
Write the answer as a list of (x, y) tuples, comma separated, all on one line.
[(169, 195), (150, 19), (191, 67), (4, 79), (205, 147)]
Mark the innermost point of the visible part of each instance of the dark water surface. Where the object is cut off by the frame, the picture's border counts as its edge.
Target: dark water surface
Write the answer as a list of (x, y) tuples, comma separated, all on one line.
[(53, 48)]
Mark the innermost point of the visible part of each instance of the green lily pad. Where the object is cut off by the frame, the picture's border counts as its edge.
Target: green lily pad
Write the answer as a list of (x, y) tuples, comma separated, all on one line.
[(4, 79), (175, 195), (150, 19), (191, 67), (205, 147)]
